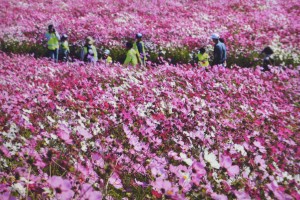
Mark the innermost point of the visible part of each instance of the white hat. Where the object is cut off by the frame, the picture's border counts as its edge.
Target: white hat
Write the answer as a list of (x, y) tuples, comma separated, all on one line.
[(215, 36), (139, 35), (65, 35), (106, 51)]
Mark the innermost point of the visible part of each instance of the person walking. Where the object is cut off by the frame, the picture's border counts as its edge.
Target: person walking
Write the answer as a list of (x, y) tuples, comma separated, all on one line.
[(89, 51), (64, 48), (219, 51), (203, 58), (132, 56), (53, 38), (139, 47)]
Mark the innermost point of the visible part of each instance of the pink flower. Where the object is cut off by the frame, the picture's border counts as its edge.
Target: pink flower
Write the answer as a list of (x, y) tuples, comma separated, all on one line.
[(88, 193), (233, 170), (61, 187), (63, 133), (241, 195), (82, 131), (216, 196), (278, 191), (115, 181), (164, 186), (226, 162)]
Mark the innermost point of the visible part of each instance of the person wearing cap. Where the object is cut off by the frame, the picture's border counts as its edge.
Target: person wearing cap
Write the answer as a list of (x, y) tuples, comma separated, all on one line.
[(139, 46), (132, 56), (64, 48), (53, 38), (89, 51), (106, 57), (203, 58), (219, 51)]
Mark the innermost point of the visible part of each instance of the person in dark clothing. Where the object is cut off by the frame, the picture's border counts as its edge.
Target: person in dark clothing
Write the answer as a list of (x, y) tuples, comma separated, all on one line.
[(268, 58), (222, 40), (219, 51)]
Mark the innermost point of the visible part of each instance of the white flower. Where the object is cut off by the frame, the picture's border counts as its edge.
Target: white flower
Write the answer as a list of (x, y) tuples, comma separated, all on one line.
[(50, 119), (25, 118), (240, 148), (212, 159), (18, 187), (187, 160), (83, 146), (54, 137), (27, 111)]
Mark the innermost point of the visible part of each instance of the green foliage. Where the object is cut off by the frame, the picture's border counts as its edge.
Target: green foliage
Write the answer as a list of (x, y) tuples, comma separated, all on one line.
[(177, 55), (17, 47)]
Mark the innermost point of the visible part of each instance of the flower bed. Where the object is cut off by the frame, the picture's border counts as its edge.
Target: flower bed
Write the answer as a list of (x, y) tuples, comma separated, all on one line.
[(79, 131)]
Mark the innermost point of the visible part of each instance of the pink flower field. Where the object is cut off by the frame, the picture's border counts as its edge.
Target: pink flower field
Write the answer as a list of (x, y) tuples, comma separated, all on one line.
[(74, 131), (82, 131), (247, 26)]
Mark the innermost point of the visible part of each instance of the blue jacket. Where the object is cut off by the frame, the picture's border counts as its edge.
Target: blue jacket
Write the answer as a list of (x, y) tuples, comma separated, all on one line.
[(220, 54)]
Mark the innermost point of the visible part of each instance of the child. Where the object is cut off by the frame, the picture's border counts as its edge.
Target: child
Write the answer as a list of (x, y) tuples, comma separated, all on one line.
[(64, 48), (203, 58), (106, 58)]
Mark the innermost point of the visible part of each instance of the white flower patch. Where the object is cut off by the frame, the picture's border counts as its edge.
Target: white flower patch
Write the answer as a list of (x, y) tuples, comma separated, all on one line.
[(50, 119), (157, 92), (19, 188), (259, 146), (134, 80), (26, 118), (54, 137), (297, 178), (47, 140), (185, 159), (83, 146), (173, 84), (3, 163), (240, 148), (215, 176), (41, 125), (141, 111), (212, 159), (27, 111), (13, 148), (97, 130)]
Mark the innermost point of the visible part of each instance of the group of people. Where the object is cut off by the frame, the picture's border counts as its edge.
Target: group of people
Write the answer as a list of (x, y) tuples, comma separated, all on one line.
[(58, 48)]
